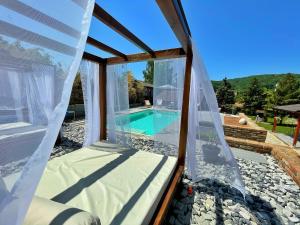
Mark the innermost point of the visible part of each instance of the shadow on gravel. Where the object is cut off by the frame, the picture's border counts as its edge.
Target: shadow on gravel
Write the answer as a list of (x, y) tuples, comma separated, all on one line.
[(70, 143), (228, 206), (67, 145)]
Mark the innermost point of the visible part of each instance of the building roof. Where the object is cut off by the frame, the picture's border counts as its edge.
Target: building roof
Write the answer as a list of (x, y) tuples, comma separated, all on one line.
[(293, 109)]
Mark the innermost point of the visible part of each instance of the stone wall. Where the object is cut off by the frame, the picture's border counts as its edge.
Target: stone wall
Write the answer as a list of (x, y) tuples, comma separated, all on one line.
[(249, 145), (245, 133), (289, 160)]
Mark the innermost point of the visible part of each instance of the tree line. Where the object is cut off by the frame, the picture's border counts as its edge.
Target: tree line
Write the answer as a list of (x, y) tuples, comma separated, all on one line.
[(256, 97)]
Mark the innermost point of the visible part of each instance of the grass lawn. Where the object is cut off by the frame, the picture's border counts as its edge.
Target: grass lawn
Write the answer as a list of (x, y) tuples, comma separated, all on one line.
[(287, 130), (280, 129)]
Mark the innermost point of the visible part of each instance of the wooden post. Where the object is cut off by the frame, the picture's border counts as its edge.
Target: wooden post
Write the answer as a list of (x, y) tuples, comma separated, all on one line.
[(185, 107), (275, 122), (296, 135), (102, 101)]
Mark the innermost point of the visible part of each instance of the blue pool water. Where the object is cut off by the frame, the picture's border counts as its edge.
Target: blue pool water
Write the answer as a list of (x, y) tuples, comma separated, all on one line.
[(150, 122)]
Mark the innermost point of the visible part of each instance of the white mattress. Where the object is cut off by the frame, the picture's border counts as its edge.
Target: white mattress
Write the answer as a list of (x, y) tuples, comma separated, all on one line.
[(119, 185)]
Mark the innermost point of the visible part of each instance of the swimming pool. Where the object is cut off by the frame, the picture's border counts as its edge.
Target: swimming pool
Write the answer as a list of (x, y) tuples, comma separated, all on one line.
[(150, 122)]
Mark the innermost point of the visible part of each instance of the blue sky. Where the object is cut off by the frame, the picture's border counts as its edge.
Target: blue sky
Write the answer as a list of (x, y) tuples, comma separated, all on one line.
[(235, 37)]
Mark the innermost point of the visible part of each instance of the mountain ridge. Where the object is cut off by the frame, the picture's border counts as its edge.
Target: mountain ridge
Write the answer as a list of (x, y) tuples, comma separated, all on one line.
[(240, 84)]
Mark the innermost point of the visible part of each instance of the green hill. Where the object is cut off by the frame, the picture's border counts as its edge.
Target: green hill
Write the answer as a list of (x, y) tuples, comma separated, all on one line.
[(266, 80)]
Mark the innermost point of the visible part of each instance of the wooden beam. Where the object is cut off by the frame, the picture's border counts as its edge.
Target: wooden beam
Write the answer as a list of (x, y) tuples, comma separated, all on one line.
[(275, 122), (185, 108), (173, 12), (168, 196), (296, 135), (105, 47), (168, 53), (102, 101), (111, 22), (94, 58)]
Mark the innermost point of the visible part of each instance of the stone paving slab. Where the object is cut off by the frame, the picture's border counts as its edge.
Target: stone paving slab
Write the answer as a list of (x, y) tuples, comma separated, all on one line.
[(247, 155), (287, 139)]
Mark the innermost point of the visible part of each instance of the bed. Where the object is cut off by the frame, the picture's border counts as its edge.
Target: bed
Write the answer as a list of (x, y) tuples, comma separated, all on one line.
[(117, 184)]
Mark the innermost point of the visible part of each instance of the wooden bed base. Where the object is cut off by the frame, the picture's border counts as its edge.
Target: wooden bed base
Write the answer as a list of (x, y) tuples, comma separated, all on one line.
[(163, 206)]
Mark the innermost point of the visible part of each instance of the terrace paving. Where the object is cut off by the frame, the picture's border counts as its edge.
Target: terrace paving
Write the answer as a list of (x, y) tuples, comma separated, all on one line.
[(247, 155), (287, 139)]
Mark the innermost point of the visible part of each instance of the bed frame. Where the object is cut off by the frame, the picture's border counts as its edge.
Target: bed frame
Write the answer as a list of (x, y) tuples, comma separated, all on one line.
[(174, 14)]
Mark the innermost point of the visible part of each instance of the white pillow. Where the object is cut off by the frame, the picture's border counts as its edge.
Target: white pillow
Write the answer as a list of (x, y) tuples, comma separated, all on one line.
[(46, 212)]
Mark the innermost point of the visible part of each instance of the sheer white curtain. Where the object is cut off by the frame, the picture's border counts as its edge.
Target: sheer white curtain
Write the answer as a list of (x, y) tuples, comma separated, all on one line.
[(167, 102), (208, 155), (39, 89), (118, 121), (40, 49), (89, 73), (14, 82)]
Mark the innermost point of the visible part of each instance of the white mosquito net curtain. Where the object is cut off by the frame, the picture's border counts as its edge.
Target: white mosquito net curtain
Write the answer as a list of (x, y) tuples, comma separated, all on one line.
[(168, 82), (118, 121), (89, 74), (40, 50), (208, 155)]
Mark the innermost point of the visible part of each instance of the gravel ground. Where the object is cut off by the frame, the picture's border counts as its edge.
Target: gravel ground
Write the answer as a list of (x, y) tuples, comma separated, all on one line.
[(272, 197)]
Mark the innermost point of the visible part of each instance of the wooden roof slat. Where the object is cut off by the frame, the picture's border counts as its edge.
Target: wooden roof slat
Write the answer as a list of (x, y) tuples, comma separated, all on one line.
[(94, 58), (40, 17), (111, 22), (175, 16), (105, 47), (168, 53), (11, 30)]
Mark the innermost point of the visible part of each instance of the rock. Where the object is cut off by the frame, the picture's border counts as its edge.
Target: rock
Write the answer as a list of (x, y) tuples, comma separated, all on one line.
[(243, 121), (208, 203), (228, 202), (201, 220), (296, 212), (184, 193), (245, 214), (177, 222), (226, 211), (262, 216), (280, 200), (287, 212), (208, 217), (249, 199), (172, 220), (293, 219), (228, 222)]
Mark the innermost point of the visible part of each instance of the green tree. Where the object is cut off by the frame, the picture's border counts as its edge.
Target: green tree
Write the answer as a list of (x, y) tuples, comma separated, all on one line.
[(131, 89), (225, 95), (270, 99), (135, 89), (148, 72), (287, 91), (15, 49), (76, 94), (254, 97)]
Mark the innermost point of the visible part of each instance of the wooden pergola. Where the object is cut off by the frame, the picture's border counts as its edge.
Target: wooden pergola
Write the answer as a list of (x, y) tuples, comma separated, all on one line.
[(293, 110), (174, 14)]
